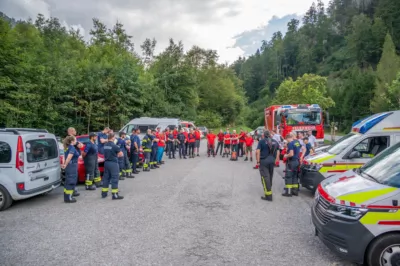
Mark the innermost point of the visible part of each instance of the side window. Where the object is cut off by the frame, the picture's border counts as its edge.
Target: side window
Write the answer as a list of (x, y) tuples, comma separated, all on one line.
[(396, 139), (128, 129), (370, 147), (276, 122), (5, 152)]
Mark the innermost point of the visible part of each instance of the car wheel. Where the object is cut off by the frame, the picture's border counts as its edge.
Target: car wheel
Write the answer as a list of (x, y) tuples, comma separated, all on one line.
[(5, 199), (385, 250)]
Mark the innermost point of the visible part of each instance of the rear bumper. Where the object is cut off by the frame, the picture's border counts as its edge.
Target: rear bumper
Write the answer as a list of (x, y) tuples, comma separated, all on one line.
[(22, 194), (349, 240)]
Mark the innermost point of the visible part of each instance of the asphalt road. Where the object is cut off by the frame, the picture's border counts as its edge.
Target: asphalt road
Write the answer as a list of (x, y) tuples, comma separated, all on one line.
[(202, 211)]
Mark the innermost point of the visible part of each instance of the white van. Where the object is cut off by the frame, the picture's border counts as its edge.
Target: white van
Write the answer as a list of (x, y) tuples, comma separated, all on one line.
[(368, 138), (29, 164), (145, 123)]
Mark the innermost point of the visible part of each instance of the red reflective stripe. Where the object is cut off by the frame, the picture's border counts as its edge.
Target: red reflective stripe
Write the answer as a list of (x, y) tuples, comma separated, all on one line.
[(389, 222), (325, 195), (382, 207), (342, 202), (352, 204), (336, 171)]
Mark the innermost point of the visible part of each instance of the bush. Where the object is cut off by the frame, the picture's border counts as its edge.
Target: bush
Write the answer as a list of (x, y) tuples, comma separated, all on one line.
[(208, 119)]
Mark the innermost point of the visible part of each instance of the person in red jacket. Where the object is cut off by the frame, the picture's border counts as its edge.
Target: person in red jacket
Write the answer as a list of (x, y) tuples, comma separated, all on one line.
[(192, 142), (175, 143), (227, 142), (211, 143), (242, 140), (220, 142), (197, 143), (249, 147)]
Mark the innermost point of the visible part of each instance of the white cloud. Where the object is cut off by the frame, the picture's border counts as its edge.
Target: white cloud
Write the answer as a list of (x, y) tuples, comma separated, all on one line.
[(207, 23)]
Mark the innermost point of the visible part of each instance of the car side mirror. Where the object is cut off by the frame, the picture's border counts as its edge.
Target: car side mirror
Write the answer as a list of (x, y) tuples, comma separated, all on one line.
[(355, 155)]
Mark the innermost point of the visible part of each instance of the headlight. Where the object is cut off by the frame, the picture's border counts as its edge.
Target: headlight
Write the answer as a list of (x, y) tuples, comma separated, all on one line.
[(353, 213)]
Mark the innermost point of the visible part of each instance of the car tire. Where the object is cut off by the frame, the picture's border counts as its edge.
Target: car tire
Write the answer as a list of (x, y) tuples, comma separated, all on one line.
[(380, 245), (5, 199)]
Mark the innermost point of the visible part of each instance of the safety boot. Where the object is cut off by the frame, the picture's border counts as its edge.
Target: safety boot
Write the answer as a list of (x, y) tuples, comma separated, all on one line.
[(115, 196), (152, 167), (68, 198), (267, 198), (121, 176), (295, 192), (156, 166), (287, 192), (76, 193), (104, 194), (91, 187), (246, 159)]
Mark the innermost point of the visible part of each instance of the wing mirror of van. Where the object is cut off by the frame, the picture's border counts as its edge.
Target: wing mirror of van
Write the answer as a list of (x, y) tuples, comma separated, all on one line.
[(355, 155)]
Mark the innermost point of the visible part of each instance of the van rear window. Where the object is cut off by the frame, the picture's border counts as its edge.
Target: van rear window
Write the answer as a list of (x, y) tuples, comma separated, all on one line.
[(41, 150)]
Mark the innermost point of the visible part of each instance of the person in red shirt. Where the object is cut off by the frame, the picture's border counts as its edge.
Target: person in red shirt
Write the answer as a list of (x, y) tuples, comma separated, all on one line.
[(161, 146), (197, 143), (211, 143), (192, 142), (249, 147), (227, 142), (242, 139), (220, 142), (235, 143)]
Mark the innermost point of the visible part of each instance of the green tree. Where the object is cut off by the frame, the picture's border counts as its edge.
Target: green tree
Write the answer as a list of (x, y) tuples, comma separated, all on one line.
[(386, 72)]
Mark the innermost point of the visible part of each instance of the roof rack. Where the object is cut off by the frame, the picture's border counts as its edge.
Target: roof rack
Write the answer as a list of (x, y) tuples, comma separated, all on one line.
[(17, 131)]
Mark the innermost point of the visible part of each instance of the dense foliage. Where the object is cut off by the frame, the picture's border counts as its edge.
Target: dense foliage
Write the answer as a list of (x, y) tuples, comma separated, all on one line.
[(51, 78), (353, 43)]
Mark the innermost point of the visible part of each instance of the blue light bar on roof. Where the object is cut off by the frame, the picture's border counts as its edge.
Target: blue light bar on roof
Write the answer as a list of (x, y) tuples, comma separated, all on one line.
[(286, 106), (315, 105), (370, 122)]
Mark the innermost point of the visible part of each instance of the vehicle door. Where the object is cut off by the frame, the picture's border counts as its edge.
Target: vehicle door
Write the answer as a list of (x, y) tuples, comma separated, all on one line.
[(7, 163), (42, 160), (366, 149)]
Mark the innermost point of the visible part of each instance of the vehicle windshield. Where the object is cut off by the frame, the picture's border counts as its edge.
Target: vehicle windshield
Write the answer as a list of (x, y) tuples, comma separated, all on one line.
[(295, 118), (343, 143), (385, 168)]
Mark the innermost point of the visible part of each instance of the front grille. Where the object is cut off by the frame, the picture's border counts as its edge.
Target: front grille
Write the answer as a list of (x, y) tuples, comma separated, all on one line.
[(321, 210)]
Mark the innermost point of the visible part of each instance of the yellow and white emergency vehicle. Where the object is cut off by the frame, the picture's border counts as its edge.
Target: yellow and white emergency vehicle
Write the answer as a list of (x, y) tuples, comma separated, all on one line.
[(368, 138), (357, 213)]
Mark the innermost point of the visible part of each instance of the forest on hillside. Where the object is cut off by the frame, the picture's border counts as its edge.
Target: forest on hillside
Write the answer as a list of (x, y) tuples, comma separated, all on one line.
[(343, 57), (351, 47), (51, 78)]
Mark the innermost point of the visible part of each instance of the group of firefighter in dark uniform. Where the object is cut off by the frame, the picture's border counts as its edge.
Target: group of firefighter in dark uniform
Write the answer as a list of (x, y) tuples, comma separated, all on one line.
[(121, 156)]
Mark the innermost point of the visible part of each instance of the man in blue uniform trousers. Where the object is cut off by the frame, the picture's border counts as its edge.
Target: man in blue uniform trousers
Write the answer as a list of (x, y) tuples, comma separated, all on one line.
[(135, 146), (111, 168), (292, 165)]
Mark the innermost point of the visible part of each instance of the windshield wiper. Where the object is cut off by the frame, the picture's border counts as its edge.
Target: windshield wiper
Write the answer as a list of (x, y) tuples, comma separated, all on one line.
[(362, 172)]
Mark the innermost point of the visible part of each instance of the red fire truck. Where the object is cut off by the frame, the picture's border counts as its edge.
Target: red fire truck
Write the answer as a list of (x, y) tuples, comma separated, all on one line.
[(295, 118)]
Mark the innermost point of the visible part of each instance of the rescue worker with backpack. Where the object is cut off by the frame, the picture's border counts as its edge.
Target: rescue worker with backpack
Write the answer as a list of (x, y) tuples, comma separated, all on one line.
[(267, 154), (124, 166), (235, 145), (227, 143), (220, 142), (292, 165), (111, 169), (147, 143), (90, 161)]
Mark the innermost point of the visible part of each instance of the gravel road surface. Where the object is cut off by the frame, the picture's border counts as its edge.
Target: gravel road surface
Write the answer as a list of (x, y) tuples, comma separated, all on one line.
[(202, 211)]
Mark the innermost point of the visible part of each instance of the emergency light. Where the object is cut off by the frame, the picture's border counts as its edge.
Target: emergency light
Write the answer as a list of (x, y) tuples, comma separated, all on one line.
[(286, 106), (315, 105), (366, 124)]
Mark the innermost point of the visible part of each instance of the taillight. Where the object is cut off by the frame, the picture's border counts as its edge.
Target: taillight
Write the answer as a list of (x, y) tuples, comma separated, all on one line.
[(19, 163), (21, 186)]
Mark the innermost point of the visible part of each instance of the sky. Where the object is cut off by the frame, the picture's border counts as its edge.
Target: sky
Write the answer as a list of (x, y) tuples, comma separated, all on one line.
[(232, 27)]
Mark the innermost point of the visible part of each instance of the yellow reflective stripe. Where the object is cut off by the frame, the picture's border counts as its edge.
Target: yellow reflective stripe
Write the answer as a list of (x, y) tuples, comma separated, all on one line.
[(115, 190), (88, 182), (375, 217), (325, 169), (128, 171), (97, 179), (289, 186), (264, 186), (361, 197), (104, 189), (323, 159), (268, 193), (295, 186), (68, 192), (147, 150)]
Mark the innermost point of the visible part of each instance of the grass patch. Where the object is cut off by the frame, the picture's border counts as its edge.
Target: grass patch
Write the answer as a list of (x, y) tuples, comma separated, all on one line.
[(327, 142)]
